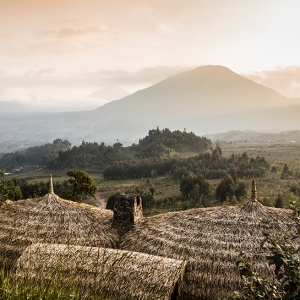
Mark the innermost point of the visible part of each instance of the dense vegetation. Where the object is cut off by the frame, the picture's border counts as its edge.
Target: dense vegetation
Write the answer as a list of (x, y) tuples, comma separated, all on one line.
[(169, 171), (75, 188), (159, 142), (60, 155), (8, 189), (37, 155), (282, 253), (211, 165)]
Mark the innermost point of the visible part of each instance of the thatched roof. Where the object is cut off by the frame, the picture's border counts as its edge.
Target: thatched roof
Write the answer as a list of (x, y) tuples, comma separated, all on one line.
[(51, 219), (209, 239), (118, 274)]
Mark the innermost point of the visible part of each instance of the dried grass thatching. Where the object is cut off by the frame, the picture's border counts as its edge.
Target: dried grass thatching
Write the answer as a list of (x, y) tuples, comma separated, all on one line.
[(208, 239), (115, 273), (52, 220)]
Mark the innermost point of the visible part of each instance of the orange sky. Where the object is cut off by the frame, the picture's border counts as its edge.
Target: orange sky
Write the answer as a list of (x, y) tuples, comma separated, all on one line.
[(59, 51)]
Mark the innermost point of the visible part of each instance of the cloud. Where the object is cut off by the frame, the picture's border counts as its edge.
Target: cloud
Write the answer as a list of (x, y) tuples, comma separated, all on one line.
[(69, 32), (38, 73), (38, 86), (285, 80), (55, 78), (46, 71), (146, 76), (16, 94)]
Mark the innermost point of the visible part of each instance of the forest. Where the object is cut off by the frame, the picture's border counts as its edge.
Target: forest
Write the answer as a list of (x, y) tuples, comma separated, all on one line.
[(60, 154), (188, 163), (212, 165)]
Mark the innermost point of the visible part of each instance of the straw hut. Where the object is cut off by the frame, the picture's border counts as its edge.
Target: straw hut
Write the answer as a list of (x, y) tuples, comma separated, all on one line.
[(51, 219), (114, 273), (208, 239)]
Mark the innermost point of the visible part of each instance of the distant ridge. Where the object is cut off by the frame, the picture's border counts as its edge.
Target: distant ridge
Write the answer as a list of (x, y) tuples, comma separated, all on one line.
[(208, 99), (256, 137), (109, 93)]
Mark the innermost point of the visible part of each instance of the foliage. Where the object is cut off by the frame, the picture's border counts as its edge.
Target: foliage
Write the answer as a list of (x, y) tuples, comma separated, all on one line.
[(279, 202), (87, 155), (240, 191), (8, 190), (37, 155), (159, 142), (295, 189), (194, 186), (285, 172), (227, 189), (27, 290), (60, 155), (81, 183), (41, 188), (78, 185), (210, 165), (282, 253)]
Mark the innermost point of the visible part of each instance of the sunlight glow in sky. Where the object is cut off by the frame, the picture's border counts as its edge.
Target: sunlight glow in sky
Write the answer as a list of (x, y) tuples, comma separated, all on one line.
[(55, 53)]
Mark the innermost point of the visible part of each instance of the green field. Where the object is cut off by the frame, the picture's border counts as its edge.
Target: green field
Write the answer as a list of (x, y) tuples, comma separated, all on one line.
[(167, 189)]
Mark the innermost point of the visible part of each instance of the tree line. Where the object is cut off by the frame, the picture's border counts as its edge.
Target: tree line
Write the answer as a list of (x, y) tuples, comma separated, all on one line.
[(75, 188), (37, 155), (59, 155), (212, 165)]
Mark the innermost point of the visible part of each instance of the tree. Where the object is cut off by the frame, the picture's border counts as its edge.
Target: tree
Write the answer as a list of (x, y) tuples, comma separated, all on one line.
[(217, 153), (240, 190), (279, 202), (225, 189), (152, 190), (81, 184), (195, 193), (285, 172), (188, 183), (8, 190)]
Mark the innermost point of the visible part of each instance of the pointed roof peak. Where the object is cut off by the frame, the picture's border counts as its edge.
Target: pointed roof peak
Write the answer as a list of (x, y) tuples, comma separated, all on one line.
[(51, 191), (253, 190)]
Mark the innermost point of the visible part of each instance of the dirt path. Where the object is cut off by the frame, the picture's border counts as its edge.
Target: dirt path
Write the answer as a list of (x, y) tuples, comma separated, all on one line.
[(99, 200)]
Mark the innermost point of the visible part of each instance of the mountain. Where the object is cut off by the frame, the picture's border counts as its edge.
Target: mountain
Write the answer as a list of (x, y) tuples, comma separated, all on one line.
[(109, 93), (208, 99), (208, 89)]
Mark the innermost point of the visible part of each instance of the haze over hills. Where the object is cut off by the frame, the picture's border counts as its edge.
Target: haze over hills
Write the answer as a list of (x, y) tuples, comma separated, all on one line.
[(207, 99), (14, 106), (109, 93)]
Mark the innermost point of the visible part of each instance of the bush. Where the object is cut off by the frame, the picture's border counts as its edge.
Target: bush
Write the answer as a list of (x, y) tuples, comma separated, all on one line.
[(283, 255)]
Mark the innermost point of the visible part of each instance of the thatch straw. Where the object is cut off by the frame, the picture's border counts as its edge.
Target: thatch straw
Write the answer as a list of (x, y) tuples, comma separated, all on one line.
[(208, 239), (116, 274), (52, 220)]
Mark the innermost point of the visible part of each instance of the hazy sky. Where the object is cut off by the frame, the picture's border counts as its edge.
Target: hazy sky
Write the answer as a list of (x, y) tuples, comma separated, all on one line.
[(56, 52)]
